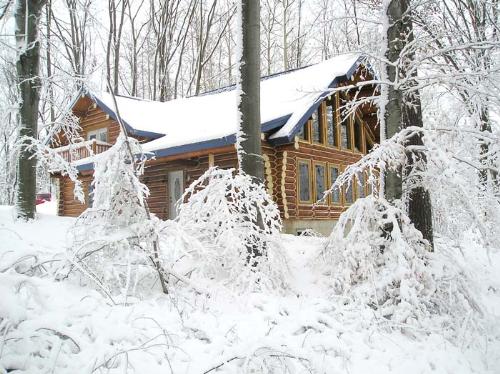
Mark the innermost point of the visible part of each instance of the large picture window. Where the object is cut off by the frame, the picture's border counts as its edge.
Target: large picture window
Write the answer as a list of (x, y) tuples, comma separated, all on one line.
[(304, 187)]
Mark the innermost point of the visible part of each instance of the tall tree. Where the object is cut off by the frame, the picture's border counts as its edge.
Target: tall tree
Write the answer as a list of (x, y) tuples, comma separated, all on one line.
[(404, 110), (116, 21), (249, 105), (27, 18), (249, 147)]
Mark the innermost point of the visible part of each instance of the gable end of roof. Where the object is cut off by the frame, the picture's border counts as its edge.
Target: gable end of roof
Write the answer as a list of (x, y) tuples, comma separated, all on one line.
[(289, 138)]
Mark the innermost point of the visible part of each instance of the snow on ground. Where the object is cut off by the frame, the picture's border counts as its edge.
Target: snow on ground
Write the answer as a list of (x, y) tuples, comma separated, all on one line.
[(62, 327), (48, 207)]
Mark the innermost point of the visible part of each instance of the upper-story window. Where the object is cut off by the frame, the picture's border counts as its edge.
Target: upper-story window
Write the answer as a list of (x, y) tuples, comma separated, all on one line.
[(99, 134), (345, 126), (331, 123), (317, 129), (334, 125), (304, 132), (358, 135)]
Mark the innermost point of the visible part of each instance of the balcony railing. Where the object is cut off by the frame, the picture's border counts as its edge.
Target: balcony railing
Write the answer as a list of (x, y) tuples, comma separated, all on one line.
[(77, 151)]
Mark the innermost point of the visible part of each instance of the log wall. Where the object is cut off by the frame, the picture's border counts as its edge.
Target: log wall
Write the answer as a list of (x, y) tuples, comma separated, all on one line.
[(286, 162)]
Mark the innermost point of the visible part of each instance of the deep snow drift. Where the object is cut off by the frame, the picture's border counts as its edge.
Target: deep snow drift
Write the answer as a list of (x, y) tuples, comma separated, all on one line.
[(53, 324)]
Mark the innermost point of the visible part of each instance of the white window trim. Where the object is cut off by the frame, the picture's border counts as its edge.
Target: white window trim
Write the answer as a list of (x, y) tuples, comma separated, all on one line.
[(97, 132)]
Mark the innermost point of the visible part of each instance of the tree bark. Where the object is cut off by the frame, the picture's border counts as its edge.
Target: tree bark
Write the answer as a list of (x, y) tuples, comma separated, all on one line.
[(249, 106), (405, 110), (250, 154), (27, 18), (393, 181)]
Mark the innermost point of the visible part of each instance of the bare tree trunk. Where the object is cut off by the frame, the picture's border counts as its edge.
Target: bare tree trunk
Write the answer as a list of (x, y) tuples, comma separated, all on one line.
[(250, 156), (405, 111), (249, 106), (285, 34), (27, 66), (393, 115), (48, 15)]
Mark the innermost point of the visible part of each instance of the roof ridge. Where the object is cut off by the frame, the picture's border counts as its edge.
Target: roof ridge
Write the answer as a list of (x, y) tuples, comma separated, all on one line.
[(230, 87)]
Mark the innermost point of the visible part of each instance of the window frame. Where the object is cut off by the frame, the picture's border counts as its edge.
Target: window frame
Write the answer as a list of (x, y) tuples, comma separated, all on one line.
[(311, 190), (307, 132), (349, 126), (321, 125), (362, 134), (353, 185), (361, 186), (98, 131), (330, 182), (325, 176), (330, 103)]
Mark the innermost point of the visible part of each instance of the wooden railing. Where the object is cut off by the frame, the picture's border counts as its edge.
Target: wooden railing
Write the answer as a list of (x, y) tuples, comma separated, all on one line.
[(75, 152)]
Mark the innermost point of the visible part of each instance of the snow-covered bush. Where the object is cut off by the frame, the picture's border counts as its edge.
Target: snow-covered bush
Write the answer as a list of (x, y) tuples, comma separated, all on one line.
[(112, 241), (375, 257), (221, 212)]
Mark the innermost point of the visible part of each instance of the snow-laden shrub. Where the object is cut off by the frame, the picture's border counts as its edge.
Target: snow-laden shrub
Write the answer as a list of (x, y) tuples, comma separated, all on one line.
[(377, 258), (112, 241), (222, 211)]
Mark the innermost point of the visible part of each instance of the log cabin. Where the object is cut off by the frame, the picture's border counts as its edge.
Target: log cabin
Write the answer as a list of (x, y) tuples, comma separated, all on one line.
[(308, 137)]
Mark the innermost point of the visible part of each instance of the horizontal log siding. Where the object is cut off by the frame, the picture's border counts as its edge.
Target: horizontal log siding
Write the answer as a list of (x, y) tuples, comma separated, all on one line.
[(95, 119), (68, 205), (156, 173), (313, 152)]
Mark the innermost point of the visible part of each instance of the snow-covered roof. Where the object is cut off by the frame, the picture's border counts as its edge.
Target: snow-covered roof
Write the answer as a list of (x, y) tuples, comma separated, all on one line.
[(209, 120)]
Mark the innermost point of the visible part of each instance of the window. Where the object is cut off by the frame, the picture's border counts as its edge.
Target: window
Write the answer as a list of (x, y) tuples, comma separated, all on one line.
[(331, 123), (368, 143), (345, 126), (319, 180), (99, 134), (304, 132), (369, 189), (358, 135), (349, 193), (361, 185), (334, 173), (317, 129), (304, 187)]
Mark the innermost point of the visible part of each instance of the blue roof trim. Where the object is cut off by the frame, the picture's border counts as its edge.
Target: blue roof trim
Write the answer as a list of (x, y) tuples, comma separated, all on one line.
[(219, 142), (130, 129), (275, 123), (285, 139), (84, 167), (207, 144)]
